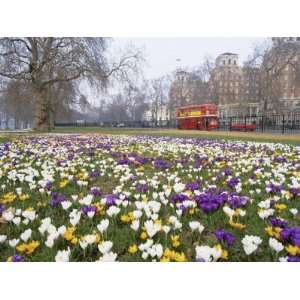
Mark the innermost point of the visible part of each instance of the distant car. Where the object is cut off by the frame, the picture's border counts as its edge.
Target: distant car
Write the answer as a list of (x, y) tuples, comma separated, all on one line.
[(121, 125), (243, 127)]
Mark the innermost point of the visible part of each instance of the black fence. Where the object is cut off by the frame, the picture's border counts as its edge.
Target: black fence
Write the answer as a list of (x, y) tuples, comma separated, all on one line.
[(284, 123), (281, 123), (123, 124)]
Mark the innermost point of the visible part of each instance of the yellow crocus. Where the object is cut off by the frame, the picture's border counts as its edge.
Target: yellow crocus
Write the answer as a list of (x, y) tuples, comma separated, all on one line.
[(175, 241), (28, 248), (237, 225), (280, 206), (63, 183), (293, 250), (143, 235), (24, 197), (133, 249)]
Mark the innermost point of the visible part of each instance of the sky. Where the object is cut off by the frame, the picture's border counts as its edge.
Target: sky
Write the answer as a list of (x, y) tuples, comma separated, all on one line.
[(164, 55)]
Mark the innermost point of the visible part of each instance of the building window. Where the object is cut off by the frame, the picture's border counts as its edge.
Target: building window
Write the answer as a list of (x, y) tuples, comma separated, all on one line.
[(229, 61)]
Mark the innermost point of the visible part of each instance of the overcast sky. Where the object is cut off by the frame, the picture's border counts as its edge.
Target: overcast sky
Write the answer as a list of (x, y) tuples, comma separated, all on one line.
[(162, 54)]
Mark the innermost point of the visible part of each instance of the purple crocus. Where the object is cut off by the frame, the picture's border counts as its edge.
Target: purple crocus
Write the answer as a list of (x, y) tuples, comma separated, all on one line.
[(17, 258), (142, 188), (276, 222), (292, 258), (95, 191), (294, 191), (161, 164), (49, 185), (211, 199), (2, 208), (227, 172), (94, 174), (233, 182), (225, 236), (88, 208), (280, 159), (274, 188), (179, 198), (110, 200), (124, 161), (192, 186), (291, 234), (236, 201), (57, 199)]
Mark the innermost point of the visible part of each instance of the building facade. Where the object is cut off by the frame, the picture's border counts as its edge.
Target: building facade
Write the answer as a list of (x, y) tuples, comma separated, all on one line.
[(287, 49), (248, 90), (226, 84)]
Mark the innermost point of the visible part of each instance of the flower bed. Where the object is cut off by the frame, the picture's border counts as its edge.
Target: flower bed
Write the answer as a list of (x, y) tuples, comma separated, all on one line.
[(120, 198)]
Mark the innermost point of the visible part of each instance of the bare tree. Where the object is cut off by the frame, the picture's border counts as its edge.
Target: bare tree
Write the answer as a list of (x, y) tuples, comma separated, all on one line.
[(158, 90), (45, 62), (272, 60)]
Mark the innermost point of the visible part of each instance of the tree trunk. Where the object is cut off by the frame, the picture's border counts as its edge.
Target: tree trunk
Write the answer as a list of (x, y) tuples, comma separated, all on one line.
[(51, 118), (41, 118)]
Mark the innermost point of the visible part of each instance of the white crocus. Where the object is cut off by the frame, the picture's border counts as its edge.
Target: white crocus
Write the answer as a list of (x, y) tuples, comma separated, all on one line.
[(49, 242), (108, 257), (135, 225), (275, 245), (86, 200), (166, 229), (103, 225), (16, 220), (83, 244), (62, 229), (13, 243), (195, 225), (294, 211), (207, 254), (63, 255), (179, 187), (2, 238), (265, 213), (105, 247), (66, 204), (151, 228), (228, 211), (25, 236), (8, 215), (251, 243), (113, 211), (29, 214)]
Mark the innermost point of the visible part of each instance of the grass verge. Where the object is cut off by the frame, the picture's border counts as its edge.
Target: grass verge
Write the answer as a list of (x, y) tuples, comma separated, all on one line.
[(227, 135)]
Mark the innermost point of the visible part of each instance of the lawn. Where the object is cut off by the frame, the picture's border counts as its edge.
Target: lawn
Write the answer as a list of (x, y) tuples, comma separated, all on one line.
[(228, 135), (137, 197)]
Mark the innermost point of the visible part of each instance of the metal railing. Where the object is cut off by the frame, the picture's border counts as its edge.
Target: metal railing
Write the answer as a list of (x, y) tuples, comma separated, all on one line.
[(277, 123)]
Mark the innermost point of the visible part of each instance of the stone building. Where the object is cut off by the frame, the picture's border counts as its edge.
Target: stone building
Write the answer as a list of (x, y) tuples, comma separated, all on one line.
[(286, 51), (250, 91), (226, 84), (187, 88), (247, 90)]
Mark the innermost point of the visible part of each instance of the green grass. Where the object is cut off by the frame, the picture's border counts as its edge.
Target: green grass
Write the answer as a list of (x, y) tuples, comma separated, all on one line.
[(4, 139), (227, 135)]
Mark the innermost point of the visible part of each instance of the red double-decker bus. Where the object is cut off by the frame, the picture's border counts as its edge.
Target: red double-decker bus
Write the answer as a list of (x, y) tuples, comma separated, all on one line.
[(201, 117)]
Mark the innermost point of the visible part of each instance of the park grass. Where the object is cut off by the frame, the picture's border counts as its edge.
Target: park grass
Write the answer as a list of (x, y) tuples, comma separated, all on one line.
[(4, 139), (293, 139)]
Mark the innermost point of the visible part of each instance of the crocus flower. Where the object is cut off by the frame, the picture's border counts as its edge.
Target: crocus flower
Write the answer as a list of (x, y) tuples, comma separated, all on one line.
[(17, 258), (225, 236)]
